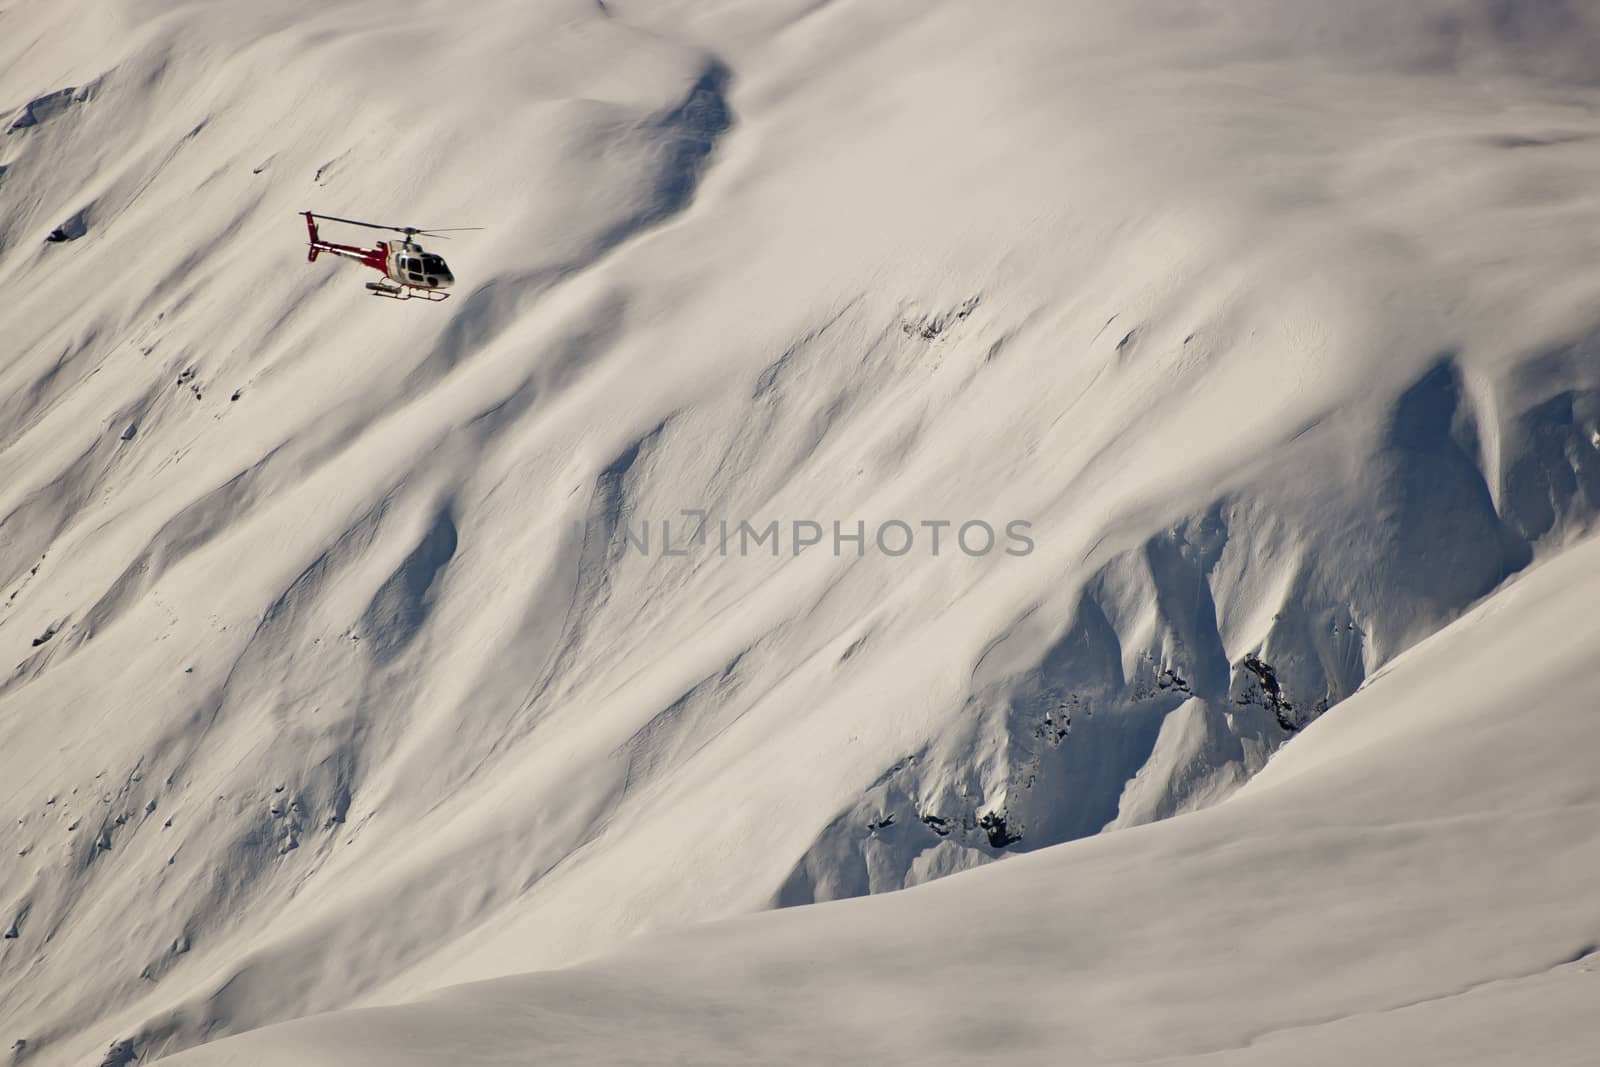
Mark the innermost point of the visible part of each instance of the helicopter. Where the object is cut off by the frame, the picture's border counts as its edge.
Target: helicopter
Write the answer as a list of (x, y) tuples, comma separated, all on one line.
[(409, 271)]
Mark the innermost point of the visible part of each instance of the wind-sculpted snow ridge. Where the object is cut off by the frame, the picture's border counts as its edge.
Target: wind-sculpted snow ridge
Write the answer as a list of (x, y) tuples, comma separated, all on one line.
[(868, 441)]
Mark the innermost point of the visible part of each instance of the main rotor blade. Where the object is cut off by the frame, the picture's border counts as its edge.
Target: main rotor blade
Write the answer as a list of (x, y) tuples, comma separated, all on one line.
[(358, 222), (407, 230)]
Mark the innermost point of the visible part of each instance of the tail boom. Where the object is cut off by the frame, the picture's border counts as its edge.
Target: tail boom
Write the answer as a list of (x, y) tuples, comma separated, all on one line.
[(376, 258)]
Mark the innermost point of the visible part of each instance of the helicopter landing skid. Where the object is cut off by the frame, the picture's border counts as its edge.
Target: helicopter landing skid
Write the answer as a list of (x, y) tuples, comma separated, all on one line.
[(399, 292)]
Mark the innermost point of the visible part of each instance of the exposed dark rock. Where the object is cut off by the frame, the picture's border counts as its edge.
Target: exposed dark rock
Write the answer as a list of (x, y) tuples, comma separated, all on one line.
[(1272, 692), (1057, 725), (994, 825), (929, 328), (70, 230), (1171, 679)]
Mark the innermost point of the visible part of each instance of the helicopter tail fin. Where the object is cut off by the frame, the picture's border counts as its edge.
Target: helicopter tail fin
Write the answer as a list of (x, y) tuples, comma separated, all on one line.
[(311, 225)]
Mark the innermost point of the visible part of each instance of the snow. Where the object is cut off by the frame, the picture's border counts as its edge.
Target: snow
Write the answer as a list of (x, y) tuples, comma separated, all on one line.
[(1274, 322), (1408, 881)]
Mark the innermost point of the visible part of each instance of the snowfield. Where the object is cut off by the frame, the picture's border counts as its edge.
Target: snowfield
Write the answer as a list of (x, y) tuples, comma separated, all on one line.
[(1409, 882), (391, 660)]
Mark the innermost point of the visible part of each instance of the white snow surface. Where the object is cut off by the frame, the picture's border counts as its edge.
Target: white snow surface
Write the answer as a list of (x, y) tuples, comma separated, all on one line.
[(1410, 882), (339, 678)]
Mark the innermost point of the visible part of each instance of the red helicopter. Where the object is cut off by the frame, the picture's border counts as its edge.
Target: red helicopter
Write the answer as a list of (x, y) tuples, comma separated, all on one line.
[(408, 271)]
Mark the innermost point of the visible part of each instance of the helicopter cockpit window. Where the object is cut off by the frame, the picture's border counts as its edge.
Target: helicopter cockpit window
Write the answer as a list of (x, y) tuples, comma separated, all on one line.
[(433, 265)]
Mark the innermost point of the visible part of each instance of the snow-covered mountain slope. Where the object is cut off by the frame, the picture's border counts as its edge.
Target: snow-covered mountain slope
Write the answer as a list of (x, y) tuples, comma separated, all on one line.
[(1410, 881), (341, 672)]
